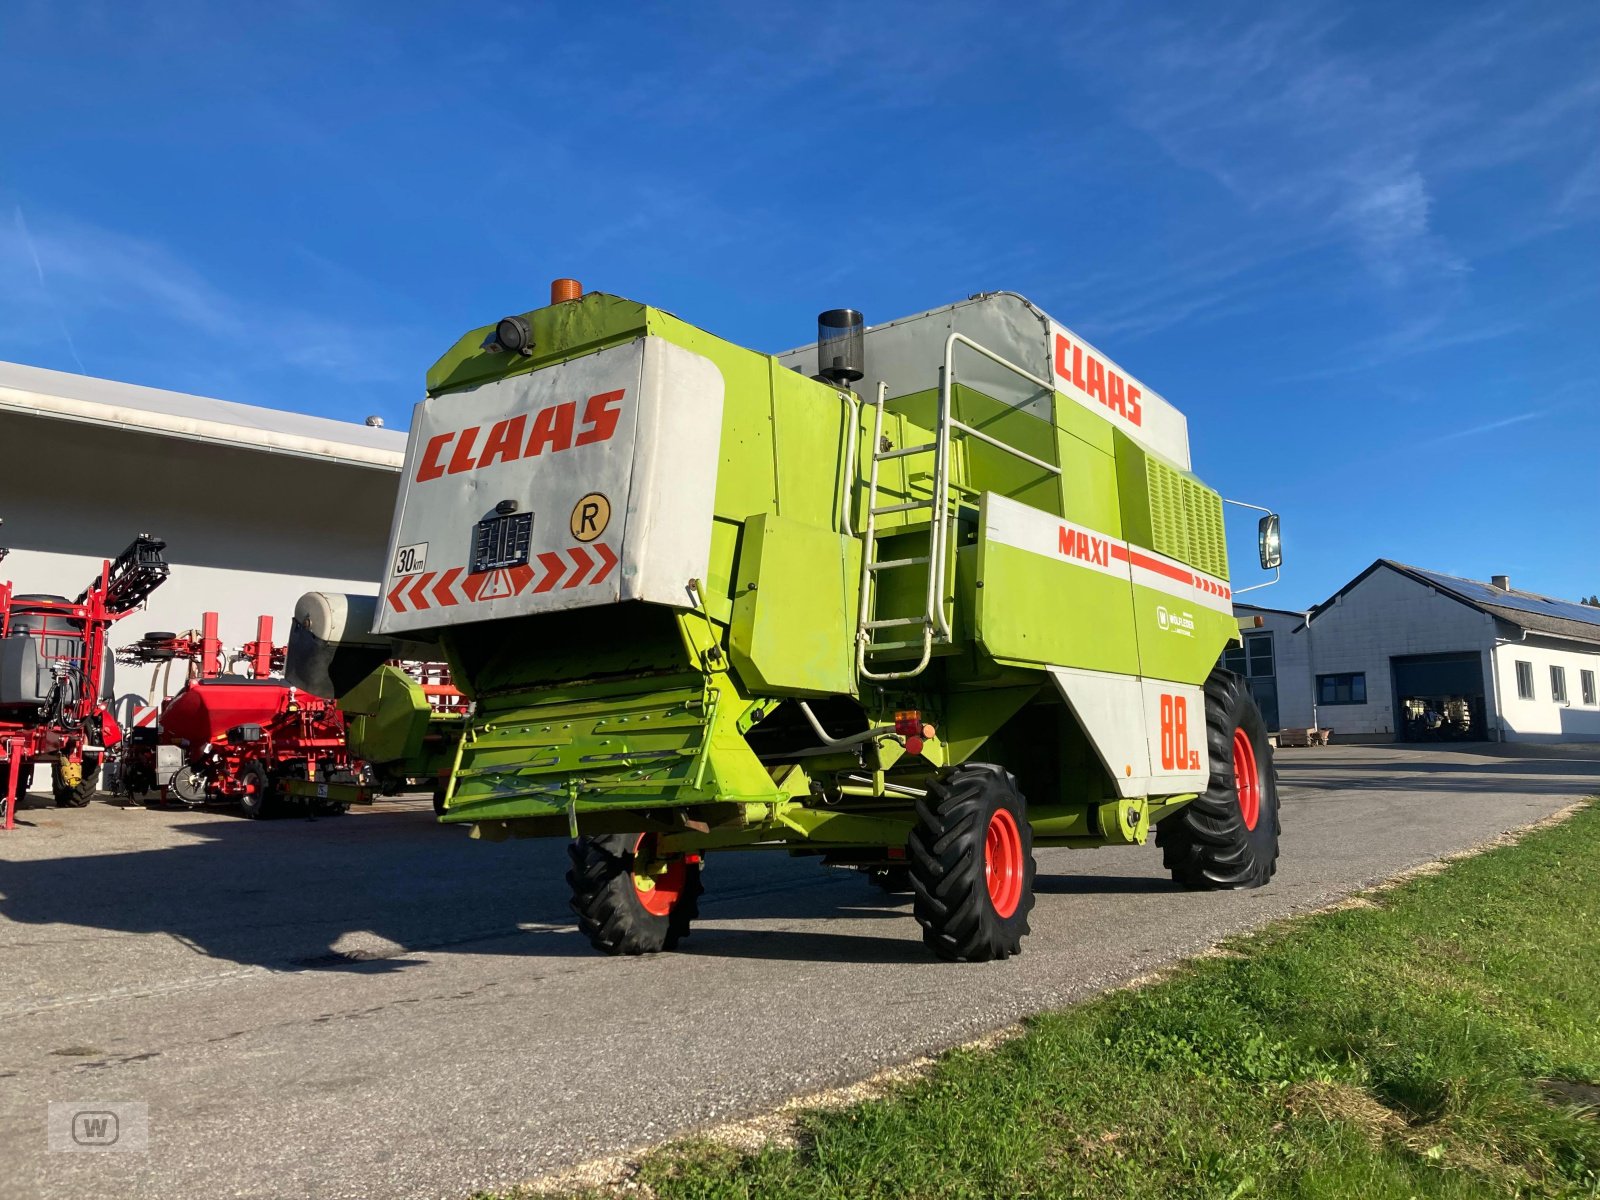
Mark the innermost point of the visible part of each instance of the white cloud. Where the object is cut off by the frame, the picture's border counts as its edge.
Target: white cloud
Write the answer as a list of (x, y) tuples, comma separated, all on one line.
[(1329, 134), (48, 298)]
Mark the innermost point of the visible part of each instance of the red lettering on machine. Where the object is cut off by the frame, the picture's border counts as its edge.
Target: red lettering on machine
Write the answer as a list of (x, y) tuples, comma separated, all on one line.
[(1093, 377), (553, 429)]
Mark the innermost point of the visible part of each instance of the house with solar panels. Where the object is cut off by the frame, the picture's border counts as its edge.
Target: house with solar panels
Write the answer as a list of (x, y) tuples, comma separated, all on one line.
[(1405, 654)]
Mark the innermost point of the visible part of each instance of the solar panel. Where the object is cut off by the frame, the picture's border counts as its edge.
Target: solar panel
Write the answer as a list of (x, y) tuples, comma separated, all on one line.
[(1483, 593)]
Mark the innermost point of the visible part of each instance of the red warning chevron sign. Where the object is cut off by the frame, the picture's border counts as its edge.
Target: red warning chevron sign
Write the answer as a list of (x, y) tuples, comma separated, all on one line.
[(576, 566)]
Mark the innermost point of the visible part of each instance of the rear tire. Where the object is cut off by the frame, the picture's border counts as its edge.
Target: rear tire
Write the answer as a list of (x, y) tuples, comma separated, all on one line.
[(971, 859), (79, 794), (256, 800), (621, 913), (1228, 838)]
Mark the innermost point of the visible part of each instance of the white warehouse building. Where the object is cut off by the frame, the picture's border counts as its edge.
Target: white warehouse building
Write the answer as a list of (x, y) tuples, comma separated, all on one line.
[(1405, 654), (256, 506)]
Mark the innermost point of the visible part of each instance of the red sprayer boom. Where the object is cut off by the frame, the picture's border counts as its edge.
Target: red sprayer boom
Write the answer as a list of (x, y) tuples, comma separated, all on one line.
[(55, 689)]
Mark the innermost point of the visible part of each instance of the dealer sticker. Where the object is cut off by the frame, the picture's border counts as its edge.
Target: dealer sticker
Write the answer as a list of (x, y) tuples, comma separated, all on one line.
[(1180, 623), (411, 560)]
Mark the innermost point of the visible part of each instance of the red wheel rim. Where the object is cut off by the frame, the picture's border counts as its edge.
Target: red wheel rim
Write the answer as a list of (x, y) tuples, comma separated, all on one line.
[(1002, 862), (657, 893), (1246, 778)]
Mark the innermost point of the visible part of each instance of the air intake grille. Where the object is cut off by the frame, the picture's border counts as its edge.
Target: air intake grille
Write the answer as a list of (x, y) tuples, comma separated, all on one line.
[(1169, 526), (1208, 545), (1186, 520)]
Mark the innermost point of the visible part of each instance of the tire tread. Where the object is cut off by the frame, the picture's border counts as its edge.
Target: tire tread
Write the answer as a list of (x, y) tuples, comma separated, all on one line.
[(1205, 844)]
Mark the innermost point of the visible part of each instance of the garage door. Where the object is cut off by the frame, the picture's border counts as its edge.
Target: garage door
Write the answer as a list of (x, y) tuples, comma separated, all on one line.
[(1439, 697)]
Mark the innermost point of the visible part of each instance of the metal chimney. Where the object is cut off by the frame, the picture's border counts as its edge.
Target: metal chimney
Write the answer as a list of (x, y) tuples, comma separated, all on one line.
[(841, 351), (1503, 582)]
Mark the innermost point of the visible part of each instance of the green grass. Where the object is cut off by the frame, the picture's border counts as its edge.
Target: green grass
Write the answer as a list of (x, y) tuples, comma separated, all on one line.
[(1440, 1042)]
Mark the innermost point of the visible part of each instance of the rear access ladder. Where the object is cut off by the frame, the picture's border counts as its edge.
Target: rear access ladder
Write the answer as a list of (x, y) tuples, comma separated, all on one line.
[(934, 620)]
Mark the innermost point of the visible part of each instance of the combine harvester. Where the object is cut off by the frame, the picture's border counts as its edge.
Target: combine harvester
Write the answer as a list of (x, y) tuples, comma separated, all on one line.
[(56, 679), (705, 599)]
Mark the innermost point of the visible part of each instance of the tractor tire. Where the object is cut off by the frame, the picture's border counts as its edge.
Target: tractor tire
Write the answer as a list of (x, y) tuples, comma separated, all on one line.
[(618, 911), (892, 881), (1228, 838), (971, 859), (257, 800), (79, 794)]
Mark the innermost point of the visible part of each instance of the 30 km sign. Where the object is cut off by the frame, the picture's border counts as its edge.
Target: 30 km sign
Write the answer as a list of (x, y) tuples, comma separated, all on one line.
[(411, 560)]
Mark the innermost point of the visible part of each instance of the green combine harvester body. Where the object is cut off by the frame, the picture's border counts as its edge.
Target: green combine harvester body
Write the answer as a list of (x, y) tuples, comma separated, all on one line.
[(704, 598)]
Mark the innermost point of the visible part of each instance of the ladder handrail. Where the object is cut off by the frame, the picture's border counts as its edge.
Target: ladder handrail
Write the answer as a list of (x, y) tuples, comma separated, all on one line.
[(848, 502), (941, 467), (934, 621)]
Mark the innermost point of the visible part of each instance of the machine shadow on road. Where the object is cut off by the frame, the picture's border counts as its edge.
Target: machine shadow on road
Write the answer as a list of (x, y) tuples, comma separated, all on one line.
[(1103, 885), (349, 894), (358, 894), (804, 945)]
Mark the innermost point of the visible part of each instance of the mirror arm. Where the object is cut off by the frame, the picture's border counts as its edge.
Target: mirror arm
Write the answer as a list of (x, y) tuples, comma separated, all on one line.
[(1277, 573), (1243, 504)]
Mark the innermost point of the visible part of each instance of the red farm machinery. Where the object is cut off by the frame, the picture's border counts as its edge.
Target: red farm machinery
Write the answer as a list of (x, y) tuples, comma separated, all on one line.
[(233, 737), (56, 694)]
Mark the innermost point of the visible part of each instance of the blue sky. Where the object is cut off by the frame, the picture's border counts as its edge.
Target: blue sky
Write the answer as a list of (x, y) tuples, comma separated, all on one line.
[(1358, 244)]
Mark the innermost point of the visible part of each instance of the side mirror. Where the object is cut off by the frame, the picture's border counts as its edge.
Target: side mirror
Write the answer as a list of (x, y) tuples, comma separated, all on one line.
[(1270, 542)]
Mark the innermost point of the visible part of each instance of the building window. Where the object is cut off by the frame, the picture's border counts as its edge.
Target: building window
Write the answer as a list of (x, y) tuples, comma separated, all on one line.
[(1342, 689), (1586, 686), (1253, 660), (1258, 647), (1524, 680), (1558, 684)]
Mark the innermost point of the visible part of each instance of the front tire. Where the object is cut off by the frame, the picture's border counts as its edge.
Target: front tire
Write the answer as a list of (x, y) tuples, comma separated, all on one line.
[(626, 901), (1228, 838), (76, 795), (971, 859)]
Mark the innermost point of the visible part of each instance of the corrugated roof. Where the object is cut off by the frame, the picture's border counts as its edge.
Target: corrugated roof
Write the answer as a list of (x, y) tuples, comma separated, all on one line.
[(1525, 610), (62, 396)]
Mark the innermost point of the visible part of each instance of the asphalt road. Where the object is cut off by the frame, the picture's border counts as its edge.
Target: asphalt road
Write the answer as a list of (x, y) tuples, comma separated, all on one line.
[(378, 1006)]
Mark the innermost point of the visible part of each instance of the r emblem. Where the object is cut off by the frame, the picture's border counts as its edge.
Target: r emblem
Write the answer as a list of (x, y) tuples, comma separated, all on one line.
[(590, 516)]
